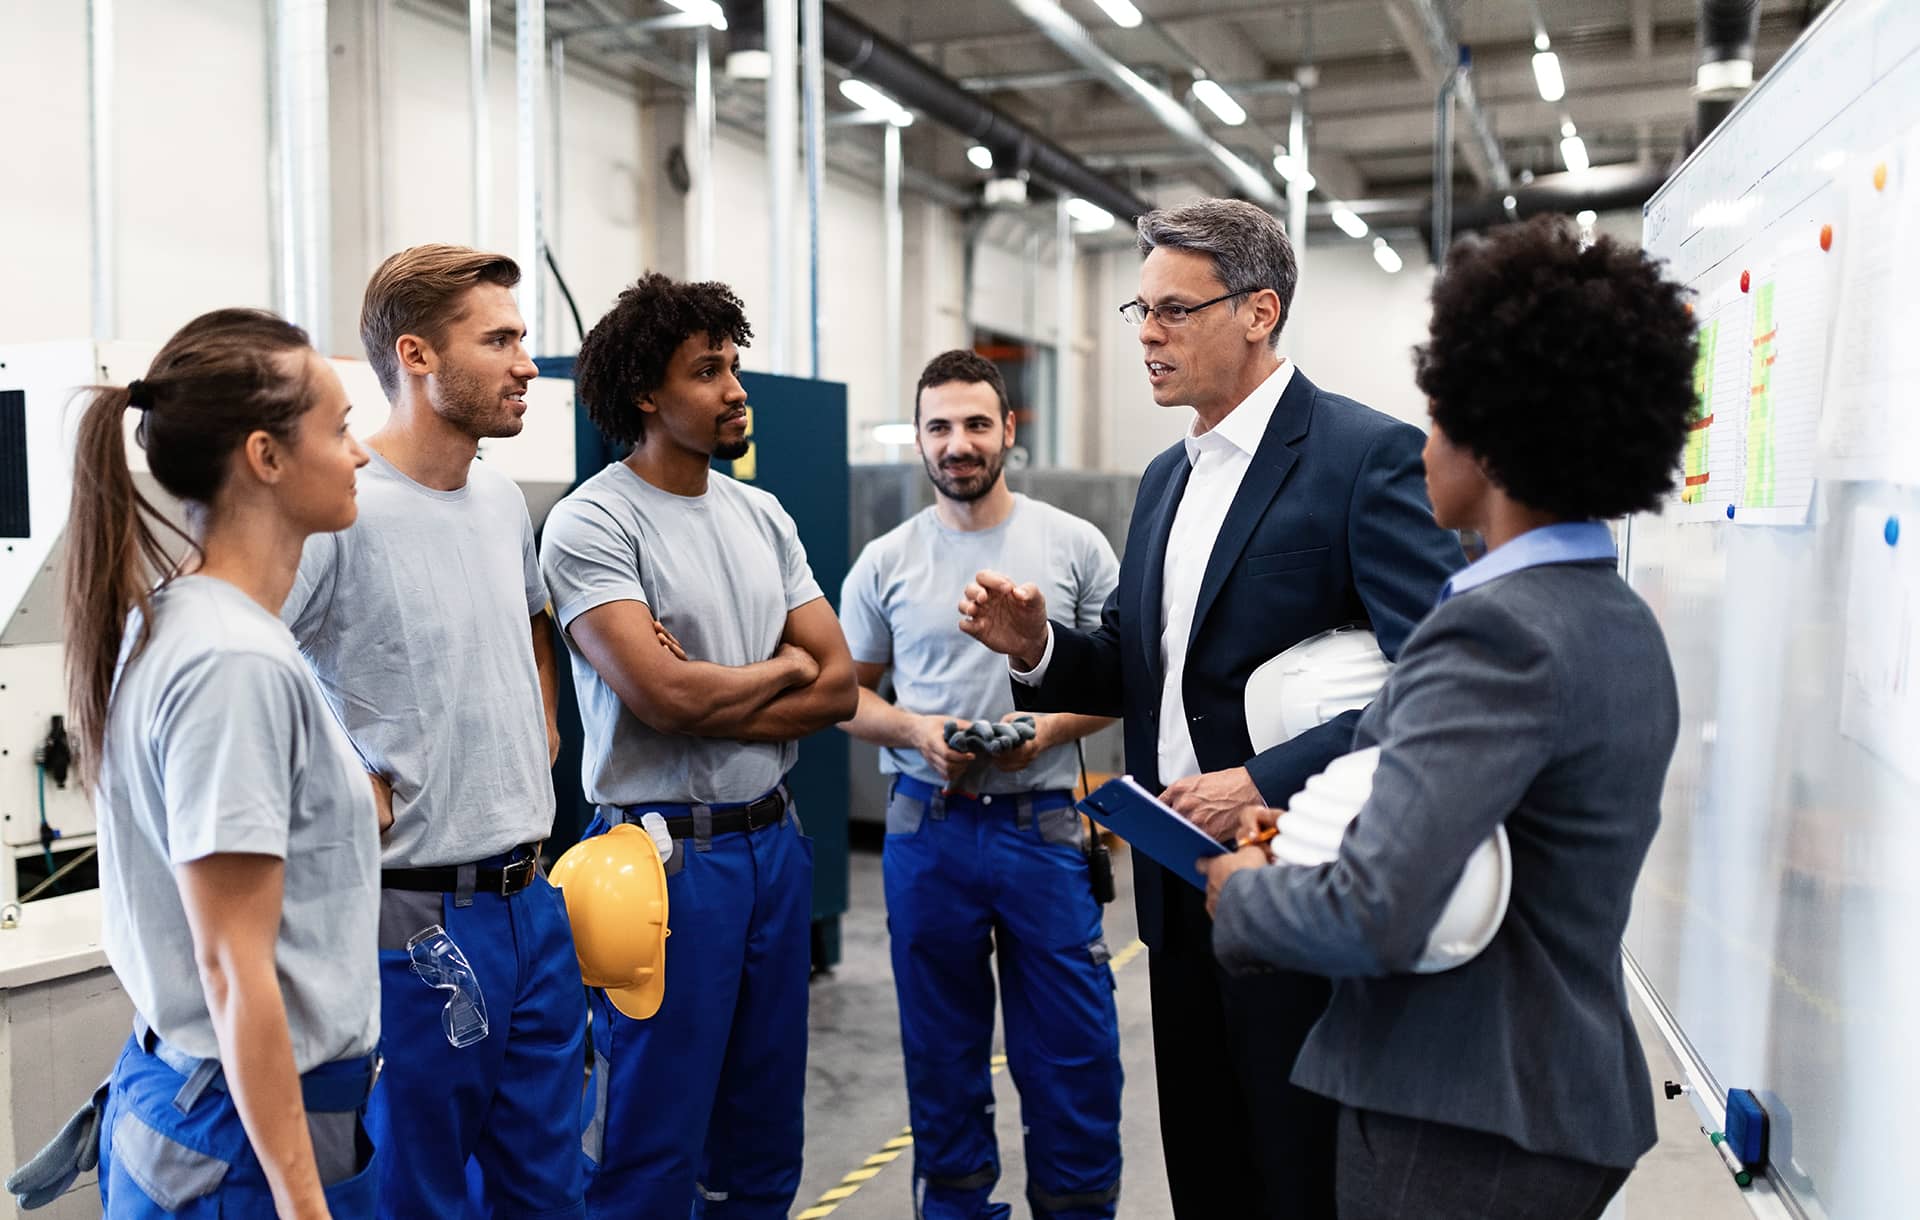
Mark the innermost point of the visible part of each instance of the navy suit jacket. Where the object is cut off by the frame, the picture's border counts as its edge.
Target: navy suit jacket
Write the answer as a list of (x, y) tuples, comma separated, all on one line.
[(1331, 525)]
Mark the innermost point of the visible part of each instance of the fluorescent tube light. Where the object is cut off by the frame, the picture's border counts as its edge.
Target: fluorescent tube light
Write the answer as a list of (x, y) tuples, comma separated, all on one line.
[(1386, 256), (715, 15), (1546, 74), (1289, 169), (1219, 101), (1573, 150), (1121, 12), (865, 96), (1088, 217), (1349, 221)]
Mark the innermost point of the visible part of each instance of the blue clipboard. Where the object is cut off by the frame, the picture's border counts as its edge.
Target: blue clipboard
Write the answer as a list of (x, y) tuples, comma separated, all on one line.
[(1136, 815)]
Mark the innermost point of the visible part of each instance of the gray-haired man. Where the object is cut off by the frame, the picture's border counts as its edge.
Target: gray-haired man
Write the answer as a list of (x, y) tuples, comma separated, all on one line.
[(1285, 511)]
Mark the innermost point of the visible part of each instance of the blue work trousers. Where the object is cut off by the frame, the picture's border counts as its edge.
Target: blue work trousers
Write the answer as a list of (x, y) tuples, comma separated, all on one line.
[(697, 1110), (511, 1101), (171, 1144), (968, 879)]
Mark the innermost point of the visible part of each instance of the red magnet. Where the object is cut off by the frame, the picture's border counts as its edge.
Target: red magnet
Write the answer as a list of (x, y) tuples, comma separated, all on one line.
[(1826, 237), (1746, 281)]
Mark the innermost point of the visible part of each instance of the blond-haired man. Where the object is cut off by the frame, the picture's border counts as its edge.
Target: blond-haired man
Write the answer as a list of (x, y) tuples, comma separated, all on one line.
[(426, 625)]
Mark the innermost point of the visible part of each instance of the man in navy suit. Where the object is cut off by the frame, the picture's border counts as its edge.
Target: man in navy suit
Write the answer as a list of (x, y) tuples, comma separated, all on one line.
[(1284, 512)]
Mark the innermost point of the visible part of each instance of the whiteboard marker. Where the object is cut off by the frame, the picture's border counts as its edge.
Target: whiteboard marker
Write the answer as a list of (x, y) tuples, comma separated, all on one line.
[(1732, 1162)]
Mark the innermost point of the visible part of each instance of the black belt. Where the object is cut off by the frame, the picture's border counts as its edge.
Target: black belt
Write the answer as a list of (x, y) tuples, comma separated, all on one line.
[(769, 810), (516, 876)]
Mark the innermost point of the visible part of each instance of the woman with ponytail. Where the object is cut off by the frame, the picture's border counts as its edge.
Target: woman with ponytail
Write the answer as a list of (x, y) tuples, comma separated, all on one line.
[(239, 858)]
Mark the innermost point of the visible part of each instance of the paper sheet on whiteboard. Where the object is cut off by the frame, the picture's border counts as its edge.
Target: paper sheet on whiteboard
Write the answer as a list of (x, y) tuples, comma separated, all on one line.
[(1880, 702), (1868, 430)]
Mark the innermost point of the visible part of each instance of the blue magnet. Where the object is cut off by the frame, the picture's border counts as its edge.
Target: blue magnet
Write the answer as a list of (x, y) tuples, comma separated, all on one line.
[(1729, 512), (1892, 531)]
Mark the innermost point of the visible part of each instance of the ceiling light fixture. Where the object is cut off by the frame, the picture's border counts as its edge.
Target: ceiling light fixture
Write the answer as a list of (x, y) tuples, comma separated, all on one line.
[(871, 100), (1121, 12), (715, 15), (981, 156), (1386, 256), (1573, 150), (1291, 171), (1546, 74), (1088, 217), (1349, 221), (1219, 101)]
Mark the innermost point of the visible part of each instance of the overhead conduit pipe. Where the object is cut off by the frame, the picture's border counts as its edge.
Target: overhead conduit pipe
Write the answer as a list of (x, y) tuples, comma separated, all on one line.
[(864, 52)]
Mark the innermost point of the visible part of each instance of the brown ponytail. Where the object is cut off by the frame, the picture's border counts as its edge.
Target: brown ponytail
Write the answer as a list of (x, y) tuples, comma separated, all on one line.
[(225, 375)]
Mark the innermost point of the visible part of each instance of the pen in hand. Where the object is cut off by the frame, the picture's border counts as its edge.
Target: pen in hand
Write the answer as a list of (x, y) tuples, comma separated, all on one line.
[(1257, 838)]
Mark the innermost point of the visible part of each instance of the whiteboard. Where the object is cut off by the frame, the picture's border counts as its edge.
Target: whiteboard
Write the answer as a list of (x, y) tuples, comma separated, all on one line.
[(1778, 917)]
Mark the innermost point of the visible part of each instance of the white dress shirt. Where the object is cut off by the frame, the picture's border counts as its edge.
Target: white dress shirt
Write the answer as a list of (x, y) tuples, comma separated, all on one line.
[(1219, 458)]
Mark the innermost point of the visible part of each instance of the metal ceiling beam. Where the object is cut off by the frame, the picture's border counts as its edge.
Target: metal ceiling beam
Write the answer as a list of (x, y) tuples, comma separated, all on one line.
[(1640, 21), (1072, 38), (1441, 44)]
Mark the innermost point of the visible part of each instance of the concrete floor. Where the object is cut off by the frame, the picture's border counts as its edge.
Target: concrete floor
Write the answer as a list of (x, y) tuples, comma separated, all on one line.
[(859, 1166)]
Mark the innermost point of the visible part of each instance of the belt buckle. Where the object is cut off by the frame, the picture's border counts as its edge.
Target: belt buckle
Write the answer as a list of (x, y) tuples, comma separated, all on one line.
[(772, 809), (517, 875)]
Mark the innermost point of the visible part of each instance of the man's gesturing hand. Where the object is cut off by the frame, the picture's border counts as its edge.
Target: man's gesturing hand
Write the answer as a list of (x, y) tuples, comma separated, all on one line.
[(1008, 618)]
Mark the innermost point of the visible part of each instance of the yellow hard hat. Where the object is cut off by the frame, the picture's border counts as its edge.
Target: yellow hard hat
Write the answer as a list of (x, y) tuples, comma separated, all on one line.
[(616, 893)]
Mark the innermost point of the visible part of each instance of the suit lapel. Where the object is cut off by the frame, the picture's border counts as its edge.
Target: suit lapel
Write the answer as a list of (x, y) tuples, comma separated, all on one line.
[(1269, 469), (1153, 582)]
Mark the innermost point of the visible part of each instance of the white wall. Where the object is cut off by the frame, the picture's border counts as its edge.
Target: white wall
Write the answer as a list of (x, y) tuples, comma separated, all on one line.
[(1354, 326), (191, 167), (190, 85)]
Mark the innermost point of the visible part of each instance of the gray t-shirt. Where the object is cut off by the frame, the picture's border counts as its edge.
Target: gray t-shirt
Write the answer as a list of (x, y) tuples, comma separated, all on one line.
[(415, 620), (218, 741), (722, 571), (897, 608)]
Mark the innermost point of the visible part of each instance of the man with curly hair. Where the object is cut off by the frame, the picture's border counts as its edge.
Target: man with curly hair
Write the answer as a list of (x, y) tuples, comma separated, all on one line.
[(1538, 697), (702, 650), (1285, 511)]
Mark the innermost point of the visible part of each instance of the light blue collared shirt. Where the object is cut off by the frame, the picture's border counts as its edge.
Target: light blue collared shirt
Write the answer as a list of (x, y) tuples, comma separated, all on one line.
[(1566, 542)]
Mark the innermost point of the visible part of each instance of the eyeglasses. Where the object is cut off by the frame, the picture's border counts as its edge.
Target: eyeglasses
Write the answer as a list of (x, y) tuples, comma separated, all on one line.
[(1173, 313)]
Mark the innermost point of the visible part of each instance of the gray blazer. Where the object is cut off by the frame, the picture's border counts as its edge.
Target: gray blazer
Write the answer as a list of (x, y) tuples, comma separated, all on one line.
[(1543, 699)]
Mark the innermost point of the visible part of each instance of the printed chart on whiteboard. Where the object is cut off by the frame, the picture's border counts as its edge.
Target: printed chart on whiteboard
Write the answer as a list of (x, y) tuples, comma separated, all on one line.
[(1750, 453)]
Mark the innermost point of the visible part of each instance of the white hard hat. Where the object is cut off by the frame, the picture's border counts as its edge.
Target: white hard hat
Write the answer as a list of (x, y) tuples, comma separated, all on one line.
[(1317, 818), (1309, 684)]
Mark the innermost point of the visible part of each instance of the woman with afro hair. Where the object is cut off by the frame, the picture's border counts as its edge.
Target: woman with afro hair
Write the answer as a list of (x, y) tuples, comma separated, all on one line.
[(1537, 696)]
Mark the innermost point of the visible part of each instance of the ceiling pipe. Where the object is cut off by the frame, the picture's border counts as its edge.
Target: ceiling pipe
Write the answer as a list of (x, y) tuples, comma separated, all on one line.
[(1443, 44), (1602, 189), (1072, 37), (1728, 31), (916, 84)]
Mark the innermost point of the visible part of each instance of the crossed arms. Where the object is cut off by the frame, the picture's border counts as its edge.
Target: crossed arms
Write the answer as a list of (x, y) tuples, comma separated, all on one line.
[(807, 685)]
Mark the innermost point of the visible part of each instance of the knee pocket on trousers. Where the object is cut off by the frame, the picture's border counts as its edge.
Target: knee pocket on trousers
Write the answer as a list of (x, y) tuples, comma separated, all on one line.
[(167, 1171)]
